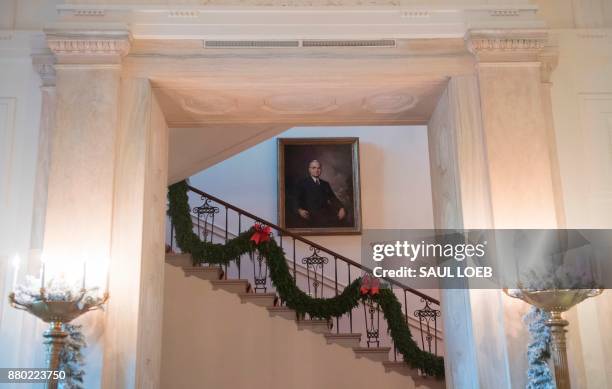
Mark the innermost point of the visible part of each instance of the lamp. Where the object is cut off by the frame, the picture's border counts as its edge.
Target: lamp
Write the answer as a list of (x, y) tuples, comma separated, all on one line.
[(555, 302), (57, 301)]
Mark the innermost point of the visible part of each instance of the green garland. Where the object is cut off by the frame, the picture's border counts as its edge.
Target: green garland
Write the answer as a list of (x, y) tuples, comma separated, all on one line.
[(302, 303)]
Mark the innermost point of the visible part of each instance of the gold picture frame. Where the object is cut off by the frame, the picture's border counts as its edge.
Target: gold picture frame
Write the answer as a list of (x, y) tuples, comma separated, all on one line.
[(311, 205)]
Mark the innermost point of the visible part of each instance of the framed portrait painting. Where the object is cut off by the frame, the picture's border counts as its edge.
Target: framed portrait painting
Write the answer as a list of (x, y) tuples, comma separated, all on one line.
[(318, 185)]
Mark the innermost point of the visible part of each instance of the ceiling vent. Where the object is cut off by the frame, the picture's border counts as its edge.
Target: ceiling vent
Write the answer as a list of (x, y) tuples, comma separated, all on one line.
[(349, 43), (244, 44), (249, 44)]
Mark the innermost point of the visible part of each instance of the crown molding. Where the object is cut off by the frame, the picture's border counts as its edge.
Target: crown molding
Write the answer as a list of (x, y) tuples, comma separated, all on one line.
[(82, 46), (506, 45), (301, 19)]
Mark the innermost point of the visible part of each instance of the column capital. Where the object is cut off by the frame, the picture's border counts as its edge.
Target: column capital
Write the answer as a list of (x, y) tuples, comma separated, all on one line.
[(44, 64), (76, 46), (506, 45), (549, 59)]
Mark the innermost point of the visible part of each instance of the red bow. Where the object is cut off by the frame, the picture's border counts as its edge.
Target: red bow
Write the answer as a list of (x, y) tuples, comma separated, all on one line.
[(369, 285), (261, 234)]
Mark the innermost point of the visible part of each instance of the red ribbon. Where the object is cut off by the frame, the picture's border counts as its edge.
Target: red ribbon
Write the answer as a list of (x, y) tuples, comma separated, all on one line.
[(369, 285), (261, 234)]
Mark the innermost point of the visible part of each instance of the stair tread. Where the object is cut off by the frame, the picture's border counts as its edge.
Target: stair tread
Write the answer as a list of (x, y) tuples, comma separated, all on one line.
[(372, 349), (280, 308), (343, 335), (230, 281), (176, 255), (202, 268), (258, 295)]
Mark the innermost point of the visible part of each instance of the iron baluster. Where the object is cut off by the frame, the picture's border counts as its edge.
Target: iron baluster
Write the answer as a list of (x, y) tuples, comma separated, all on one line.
[(238, 261), (372, 330), (317, 263), (336, 287), (226, 226), (206, 212), (171, 237), (350, 311), (294, 270), (406, 305), (260, 272), (427, 315)]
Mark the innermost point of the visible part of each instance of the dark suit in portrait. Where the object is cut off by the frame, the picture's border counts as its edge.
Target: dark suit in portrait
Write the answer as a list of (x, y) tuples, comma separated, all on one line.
[(317, 197)]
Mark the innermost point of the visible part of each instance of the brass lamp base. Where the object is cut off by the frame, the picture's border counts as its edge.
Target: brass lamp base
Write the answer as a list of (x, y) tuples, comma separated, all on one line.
[(555, 302)]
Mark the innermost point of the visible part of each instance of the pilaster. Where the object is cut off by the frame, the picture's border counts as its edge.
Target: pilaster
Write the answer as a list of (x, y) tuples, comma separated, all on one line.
[(83, 150), (512, 69), (83, 141), (516, 125)]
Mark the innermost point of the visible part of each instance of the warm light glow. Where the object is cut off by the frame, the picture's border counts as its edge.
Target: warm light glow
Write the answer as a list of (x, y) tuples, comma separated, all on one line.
[(88, 270), (16, 261)]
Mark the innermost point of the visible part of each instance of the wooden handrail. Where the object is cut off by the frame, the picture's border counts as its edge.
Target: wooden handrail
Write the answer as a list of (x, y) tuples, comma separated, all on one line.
[(284, 232)]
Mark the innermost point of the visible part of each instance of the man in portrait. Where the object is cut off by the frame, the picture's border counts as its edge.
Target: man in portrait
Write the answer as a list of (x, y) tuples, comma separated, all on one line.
[(317, 204)]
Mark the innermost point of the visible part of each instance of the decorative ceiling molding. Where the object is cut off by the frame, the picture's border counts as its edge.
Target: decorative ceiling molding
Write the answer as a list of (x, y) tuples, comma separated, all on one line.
[(389, 103), (299, 104), (207, 105), (88, 46), (250, 3), (89, 12), (505, 12), (184, 13), (302, 19), (506, 44)]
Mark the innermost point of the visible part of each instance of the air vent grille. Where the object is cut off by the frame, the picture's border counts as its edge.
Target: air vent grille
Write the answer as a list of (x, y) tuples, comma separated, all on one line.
[(249, 44), (244, 44), (349, 43)]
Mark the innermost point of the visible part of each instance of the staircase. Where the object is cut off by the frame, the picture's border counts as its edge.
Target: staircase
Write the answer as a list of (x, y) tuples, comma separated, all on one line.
[(226, 328)]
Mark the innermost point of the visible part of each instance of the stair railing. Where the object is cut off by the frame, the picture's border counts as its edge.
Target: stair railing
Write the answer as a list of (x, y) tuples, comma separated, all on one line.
[(316, 269)]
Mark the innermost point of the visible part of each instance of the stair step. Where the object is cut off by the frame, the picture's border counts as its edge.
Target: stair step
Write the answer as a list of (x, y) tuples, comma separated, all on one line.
[(204, 272), (378, 354), (233, 286), (318, 326), (284, 312), (261, 299), (180, 260), (404, 369), (401, 368), (344, 339)]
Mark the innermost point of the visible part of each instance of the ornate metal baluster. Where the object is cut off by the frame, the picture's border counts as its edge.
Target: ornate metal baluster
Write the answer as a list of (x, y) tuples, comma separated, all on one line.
[(336, 287), (294, 271), (239, 261), (350, 311), (171, 237), (205, 212), (260, 272), (427, 316), (372, 329), (317, 263)]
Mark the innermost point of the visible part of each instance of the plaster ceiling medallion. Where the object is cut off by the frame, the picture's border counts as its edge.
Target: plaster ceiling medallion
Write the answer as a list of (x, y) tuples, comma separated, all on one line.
[(389, 103), (299, 104), (207, 105)]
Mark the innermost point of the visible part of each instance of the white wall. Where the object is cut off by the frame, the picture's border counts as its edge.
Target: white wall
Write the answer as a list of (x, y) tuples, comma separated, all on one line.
[(582, 109), (395, 183), (19, 124)]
